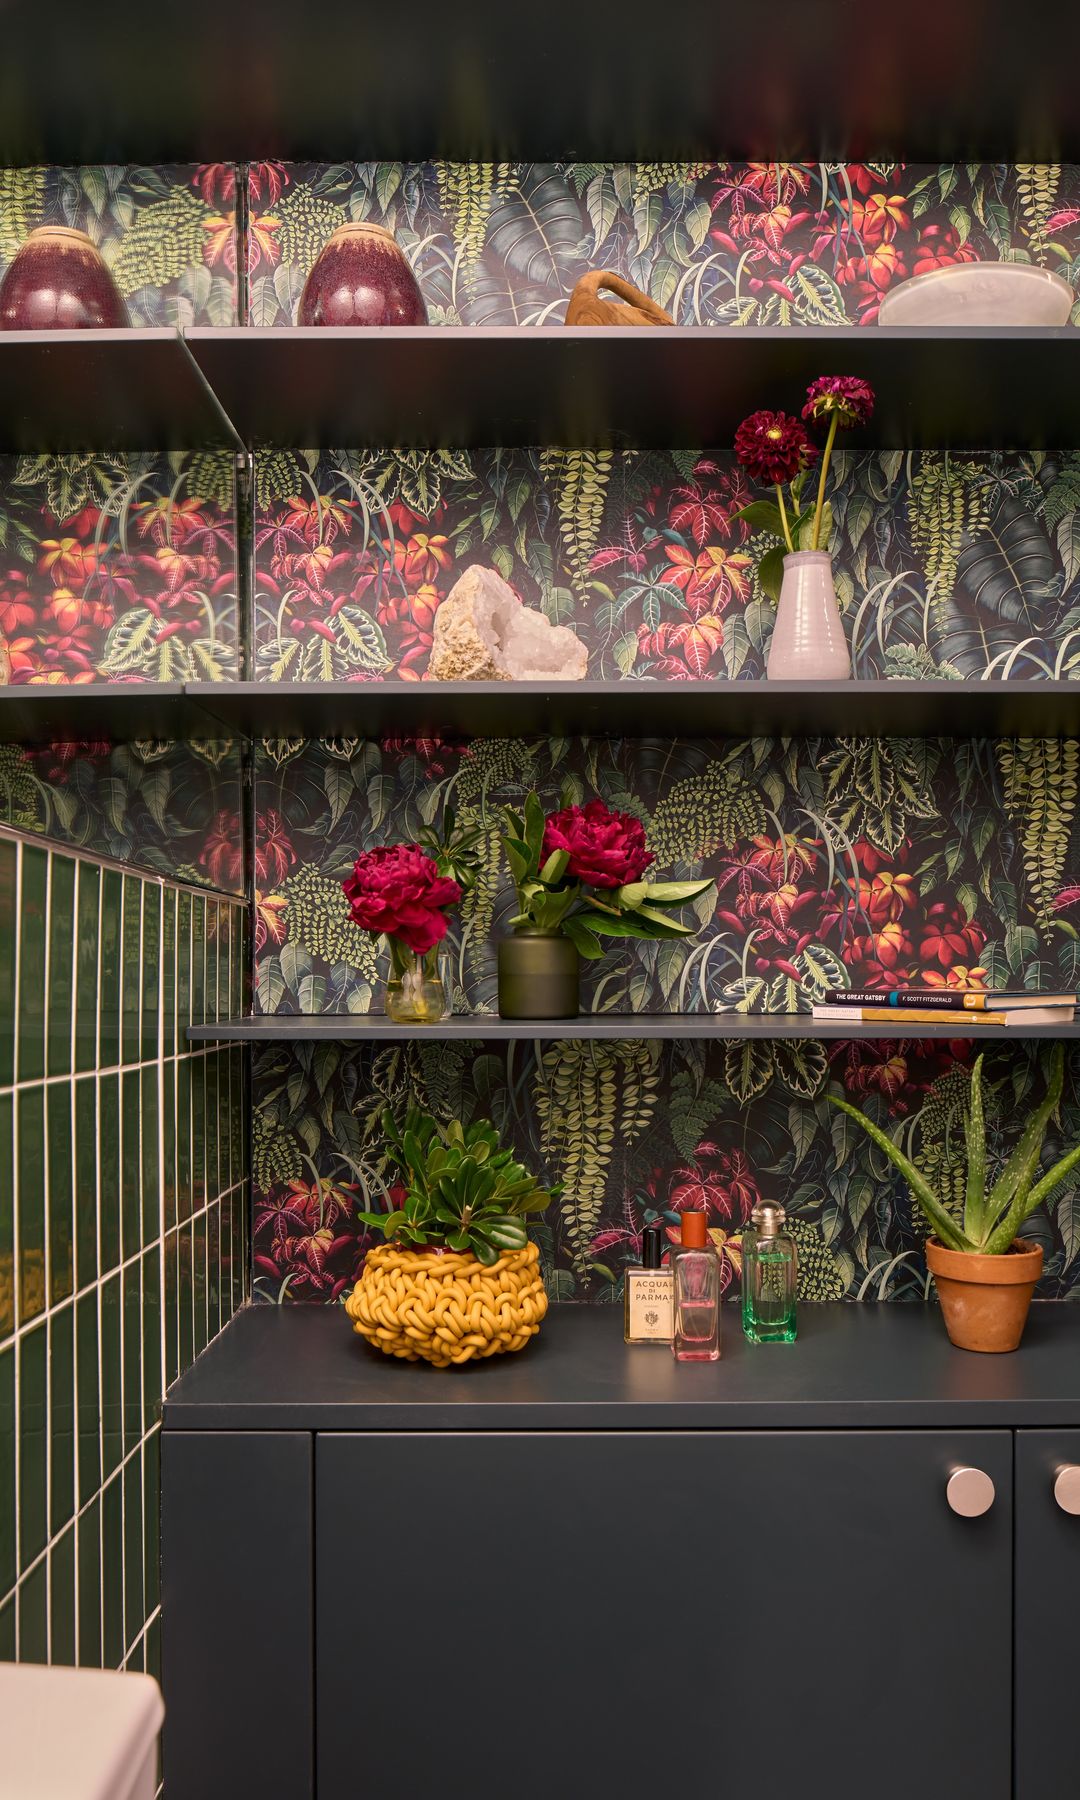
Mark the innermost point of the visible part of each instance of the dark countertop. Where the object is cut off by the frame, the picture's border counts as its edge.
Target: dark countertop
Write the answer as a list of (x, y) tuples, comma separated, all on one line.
[(301, 1368)]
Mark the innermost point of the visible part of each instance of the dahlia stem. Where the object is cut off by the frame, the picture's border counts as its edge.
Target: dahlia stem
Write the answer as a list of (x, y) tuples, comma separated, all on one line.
[(783, 518), (826, 456)]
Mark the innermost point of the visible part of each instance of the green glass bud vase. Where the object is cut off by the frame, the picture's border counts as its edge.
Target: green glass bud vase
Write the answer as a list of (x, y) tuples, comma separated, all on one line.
[(415, 993), (538, 976)]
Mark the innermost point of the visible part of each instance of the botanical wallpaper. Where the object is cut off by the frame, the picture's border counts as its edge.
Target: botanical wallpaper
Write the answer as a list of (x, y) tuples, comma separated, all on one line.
[(639, 1130), (713, 243), (169, 234), (946, 568), (119, 567)]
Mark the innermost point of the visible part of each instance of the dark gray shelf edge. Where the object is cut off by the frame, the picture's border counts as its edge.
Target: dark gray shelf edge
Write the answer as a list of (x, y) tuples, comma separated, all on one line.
[(854, 1366), (103, 710), (971, 388), (734, 709), (272, 1028)]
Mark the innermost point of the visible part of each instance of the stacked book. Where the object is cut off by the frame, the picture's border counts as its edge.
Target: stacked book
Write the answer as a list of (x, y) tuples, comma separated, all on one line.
[(914, 1007)]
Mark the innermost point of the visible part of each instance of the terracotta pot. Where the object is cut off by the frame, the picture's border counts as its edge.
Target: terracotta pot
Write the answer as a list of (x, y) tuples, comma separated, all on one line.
[(58, 281), (361, 277), (985, 1299)]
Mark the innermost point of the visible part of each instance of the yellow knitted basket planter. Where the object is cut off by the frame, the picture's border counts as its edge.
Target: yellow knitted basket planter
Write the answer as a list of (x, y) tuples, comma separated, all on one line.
[(446, 1307)]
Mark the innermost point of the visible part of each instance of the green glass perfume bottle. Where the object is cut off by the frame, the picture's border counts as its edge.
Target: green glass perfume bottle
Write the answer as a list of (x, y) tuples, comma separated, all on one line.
[(768, 1277)]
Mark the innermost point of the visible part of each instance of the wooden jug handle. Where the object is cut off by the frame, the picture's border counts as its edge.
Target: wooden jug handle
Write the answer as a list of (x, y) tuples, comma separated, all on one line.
[(590, 285)]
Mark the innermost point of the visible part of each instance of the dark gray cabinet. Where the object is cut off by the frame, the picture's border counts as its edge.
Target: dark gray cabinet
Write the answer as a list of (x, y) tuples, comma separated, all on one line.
[(610, 1612), (1047, 1607)]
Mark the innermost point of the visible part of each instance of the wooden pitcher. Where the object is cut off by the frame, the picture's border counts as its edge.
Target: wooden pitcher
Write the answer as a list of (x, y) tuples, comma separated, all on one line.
[(632, 307)]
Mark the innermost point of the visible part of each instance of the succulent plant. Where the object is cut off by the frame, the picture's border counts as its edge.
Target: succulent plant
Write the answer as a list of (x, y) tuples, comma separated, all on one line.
[(464, 1190), (991, 1220)]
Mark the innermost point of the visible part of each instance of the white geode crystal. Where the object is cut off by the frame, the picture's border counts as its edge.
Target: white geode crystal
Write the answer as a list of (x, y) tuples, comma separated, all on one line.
[(484, 633)]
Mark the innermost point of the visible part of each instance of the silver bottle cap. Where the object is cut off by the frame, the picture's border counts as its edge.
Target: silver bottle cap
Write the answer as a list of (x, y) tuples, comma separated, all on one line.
[(767, 1218)]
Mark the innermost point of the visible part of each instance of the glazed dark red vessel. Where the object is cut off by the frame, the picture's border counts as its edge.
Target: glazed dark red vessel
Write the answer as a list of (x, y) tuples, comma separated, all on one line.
[(361, 277), (59, 282)]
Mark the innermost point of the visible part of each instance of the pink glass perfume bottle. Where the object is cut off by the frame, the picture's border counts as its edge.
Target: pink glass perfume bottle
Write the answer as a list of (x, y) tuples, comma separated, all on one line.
[(696, 1270)]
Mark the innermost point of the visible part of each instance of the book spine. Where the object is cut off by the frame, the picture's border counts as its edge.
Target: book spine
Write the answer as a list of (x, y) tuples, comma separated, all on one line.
[(925, 999), (900, 1017)]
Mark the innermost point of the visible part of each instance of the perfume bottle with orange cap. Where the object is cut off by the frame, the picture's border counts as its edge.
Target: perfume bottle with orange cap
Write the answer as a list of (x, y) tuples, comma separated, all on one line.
[(695, 1268)]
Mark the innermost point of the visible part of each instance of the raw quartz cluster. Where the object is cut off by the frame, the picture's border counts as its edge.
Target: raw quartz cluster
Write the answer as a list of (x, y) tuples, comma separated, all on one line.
[(483, 632)]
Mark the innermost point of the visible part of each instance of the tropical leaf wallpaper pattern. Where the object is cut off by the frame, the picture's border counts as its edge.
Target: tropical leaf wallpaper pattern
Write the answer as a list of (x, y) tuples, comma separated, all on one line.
[(938, 862), (714, 243), (169, 234), (947, 569)]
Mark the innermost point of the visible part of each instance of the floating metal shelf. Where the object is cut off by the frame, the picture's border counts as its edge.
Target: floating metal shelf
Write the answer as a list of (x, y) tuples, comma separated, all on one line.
[(374, 1028)]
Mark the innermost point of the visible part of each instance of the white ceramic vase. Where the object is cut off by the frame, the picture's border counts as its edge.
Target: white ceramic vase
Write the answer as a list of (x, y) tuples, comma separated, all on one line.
[(808, 642)]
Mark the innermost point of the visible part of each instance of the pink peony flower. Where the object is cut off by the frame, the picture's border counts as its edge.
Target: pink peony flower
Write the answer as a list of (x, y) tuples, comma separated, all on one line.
[(773, 447), (846, 395), (607, 849), (398, 890)]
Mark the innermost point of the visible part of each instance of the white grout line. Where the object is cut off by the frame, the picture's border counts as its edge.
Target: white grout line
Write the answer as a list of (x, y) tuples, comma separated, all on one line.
[(56, 846)]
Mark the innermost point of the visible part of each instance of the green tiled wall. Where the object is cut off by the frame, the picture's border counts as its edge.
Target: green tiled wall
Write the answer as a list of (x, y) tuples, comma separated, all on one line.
[(122, 1229)]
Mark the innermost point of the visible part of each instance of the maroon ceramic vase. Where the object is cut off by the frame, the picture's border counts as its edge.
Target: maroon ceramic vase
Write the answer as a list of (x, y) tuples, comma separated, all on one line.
[(58, 281), (361, 277)]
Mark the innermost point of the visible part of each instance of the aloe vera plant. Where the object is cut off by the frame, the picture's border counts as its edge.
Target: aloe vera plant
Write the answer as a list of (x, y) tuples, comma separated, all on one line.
[(991, 1219), (464, 1190)]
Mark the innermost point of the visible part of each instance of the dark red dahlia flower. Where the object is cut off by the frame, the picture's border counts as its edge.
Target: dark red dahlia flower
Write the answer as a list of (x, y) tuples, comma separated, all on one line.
[(773, 447), (398, 890), (851, 399), (606, 849)]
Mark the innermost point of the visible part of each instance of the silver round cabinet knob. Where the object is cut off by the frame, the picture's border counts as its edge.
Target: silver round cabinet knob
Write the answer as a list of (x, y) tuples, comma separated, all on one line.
[(1067, 1487), (970, 1492)]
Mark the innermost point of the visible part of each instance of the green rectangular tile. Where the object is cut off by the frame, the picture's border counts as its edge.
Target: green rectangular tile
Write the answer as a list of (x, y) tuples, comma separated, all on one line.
[(8, 1503), (88, 1534), (237, 962), (9, 925), (109, 1170), (8, 1614), (153, 1649), (151, 1519), (61, 999), (30, 1163), (33, 1445), (185, 1297), (213, 1270), (7, 1217), (151, 1175), (214, 914), (62, 1600), (131, 1284), (112, 1573), (211, 1127), (87, 914), (88, 1388), (134, 1591), (151, 1336), (241, 1237), (33, 889), (168, 1145), (34, 1615), (168, 972), (112, 1419), (130, 1165), (61, 1193), (61, 1418), (112, 932), (198, 959), (86, 1190), (198, 1132), (131, 990), (171, 1307), (183, 968), (183, 1137), (198, 1282), (151, 968)]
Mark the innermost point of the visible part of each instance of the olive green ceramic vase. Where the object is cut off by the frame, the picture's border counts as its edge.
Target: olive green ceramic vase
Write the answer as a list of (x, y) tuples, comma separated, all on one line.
[(538, 977)]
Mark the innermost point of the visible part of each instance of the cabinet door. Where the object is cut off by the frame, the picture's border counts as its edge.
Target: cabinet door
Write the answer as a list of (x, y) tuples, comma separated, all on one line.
[(1047, 1607), (643, 1614)]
